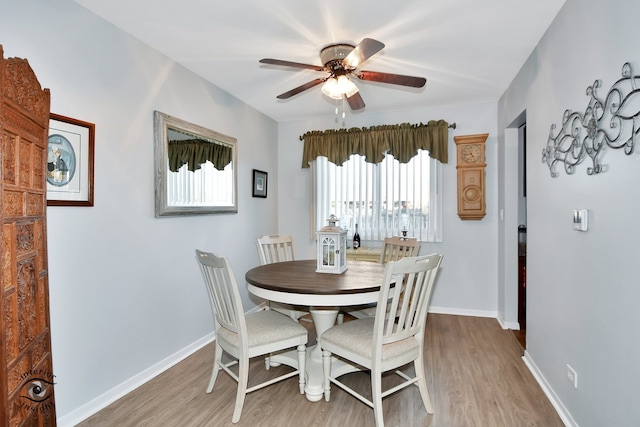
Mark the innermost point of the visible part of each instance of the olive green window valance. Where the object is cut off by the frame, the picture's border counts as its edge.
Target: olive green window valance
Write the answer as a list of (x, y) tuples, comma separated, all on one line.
[(402, 141), (195, 152)]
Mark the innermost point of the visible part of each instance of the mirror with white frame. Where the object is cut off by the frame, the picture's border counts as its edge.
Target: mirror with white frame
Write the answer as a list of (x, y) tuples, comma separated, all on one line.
[(196, 170)]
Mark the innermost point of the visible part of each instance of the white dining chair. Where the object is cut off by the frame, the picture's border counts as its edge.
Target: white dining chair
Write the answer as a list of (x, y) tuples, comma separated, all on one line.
[(390, 340), (396, 247), (393, 249), (279, 248), (244, 336)]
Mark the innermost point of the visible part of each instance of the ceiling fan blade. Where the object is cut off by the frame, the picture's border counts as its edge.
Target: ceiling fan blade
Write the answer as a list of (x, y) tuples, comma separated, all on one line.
[(395, 79), (355, 101), (291, 64), (365, 50), (301, 88)]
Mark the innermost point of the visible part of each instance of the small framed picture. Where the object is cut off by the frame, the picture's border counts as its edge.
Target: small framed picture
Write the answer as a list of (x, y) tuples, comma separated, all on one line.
[(259, 183), (70, 162)]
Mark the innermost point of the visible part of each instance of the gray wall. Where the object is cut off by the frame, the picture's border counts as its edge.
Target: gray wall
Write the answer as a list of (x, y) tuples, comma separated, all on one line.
[(468, 276), (127, 298), (582, 288)]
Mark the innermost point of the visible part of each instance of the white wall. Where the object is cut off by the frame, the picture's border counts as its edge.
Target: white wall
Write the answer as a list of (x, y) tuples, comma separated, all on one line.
[(508, 212), (125, 290), (467, 281), (582, 288)]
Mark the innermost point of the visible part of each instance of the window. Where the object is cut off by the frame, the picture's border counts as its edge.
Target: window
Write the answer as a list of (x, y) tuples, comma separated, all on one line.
[(383, 199), (206, 186)]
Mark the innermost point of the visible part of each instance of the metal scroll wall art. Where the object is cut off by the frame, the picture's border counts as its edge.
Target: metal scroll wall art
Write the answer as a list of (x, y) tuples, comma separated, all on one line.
[(610, 122)]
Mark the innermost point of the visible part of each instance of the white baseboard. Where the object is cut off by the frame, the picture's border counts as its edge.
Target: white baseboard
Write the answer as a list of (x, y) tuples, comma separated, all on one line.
[(85, 411), (565, 416), (508, 325), (463, 312)]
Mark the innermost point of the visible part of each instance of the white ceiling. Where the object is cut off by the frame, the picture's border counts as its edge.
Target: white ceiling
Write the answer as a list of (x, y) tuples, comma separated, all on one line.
[(468, 50)]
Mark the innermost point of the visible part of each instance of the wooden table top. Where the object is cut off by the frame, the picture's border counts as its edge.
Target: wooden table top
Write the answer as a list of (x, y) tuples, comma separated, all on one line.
[(301, 277)]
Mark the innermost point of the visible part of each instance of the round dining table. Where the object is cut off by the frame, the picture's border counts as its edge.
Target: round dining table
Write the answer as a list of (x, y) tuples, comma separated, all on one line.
[(298, 283)]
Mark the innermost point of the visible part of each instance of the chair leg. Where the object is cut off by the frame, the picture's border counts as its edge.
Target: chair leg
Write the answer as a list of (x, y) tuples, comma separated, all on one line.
[(422, 384), (217, 359), (243, 379), (326, 369), (376, 397), (302, 361)]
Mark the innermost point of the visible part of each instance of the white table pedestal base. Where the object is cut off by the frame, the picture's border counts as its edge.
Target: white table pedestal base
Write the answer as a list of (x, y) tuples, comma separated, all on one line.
[(323, 319)]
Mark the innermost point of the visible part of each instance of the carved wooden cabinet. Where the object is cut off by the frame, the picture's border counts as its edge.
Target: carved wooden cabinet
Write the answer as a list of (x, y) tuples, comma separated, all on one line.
[(471, 166), (26, 378)]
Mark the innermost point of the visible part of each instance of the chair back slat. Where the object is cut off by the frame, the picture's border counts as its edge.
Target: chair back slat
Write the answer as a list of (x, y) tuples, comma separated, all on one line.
[(405, 313), (275, 248), (395, 248), (223, 291)]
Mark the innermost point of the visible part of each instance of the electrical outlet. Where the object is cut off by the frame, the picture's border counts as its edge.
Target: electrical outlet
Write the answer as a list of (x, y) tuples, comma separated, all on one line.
[(572, 376)]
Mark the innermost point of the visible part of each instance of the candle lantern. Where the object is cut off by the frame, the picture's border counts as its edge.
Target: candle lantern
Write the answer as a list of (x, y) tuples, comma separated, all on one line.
[(332, 248)]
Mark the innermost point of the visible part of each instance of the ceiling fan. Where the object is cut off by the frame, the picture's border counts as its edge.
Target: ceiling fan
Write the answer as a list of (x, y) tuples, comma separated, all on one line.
[(341, 61)]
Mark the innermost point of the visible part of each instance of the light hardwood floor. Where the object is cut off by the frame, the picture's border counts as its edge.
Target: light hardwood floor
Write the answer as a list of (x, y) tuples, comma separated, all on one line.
[(476, 377)]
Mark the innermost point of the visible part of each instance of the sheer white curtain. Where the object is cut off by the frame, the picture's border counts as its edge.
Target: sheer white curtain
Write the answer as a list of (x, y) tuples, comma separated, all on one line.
[(206, 186), (383, 199)]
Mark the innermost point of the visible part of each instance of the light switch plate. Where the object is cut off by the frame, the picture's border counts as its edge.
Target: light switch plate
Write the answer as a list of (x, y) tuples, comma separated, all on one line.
[(580, 219)]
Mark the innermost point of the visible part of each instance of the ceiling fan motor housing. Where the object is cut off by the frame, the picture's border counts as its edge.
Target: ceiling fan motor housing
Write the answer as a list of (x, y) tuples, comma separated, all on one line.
[(335, 52)]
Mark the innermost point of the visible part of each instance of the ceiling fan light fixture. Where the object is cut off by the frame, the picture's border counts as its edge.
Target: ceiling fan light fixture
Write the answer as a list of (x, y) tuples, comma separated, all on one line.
[(337, 87), (341, 61), (330, 88), (346, 86)]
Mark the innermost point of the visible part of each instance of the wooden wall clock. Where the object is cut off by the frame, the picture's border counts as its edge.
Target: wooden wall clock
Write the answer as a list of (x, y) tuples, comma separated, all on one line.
[(471, 175)]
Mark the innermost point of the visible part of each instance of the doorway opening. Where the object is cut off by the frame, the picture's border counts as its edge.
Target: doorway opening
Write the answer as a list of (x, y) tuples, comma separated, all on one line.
[(522, 235)]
